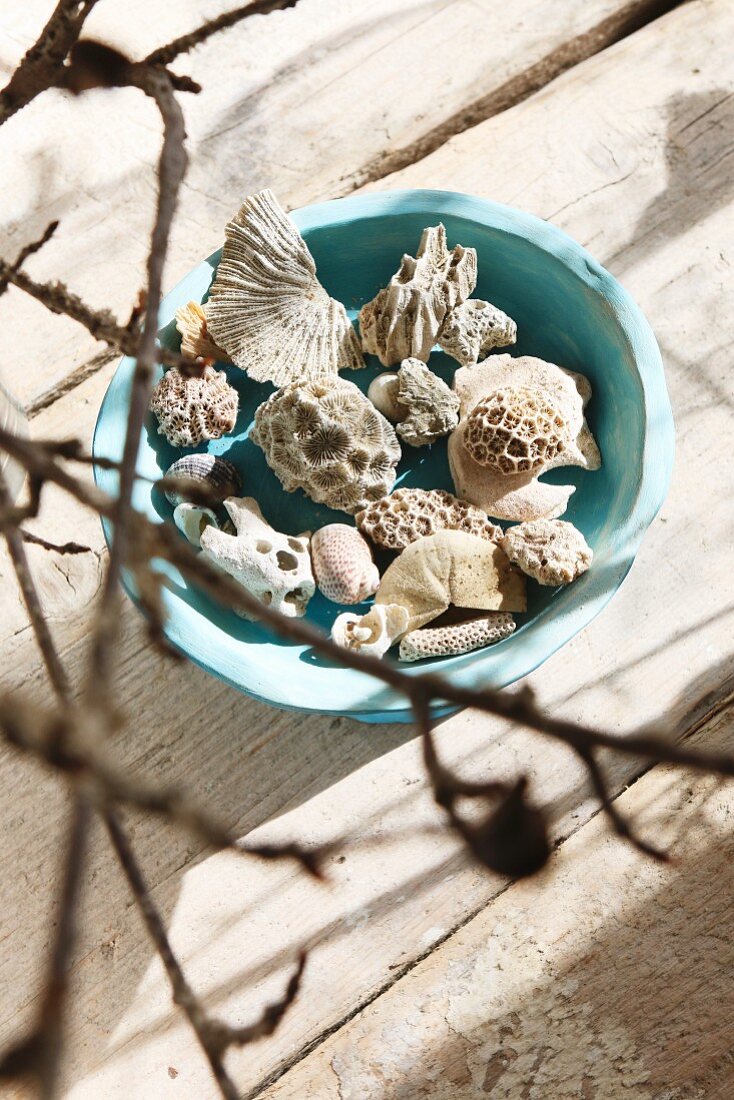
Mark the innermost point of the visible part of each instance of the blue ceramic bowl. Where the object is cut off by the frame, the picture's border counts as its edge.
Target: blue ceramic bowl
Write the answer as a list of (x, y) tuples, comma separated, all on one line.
[(568, 310)]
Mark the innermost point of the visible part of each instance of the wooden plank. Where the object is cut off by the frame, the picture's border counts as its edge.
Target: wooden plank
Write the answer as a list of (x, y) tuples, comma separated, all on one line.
[(308, 101), (237, 926), (608, 976)]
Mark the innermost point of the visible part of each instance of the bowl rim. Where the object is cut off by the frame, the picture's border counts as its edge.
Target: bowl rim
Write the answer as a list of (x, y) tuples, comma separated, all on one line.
[(650, 492)]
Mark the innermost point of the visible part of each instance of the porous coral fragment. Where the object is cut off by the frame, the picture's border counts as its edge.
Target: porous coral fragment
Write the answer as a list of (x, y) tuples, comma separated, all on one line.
[(193, 409), (326, 438), (273, 567), (405, 317), (448, 569), (473, 328), (553, 552), (409, 514), (521, 496), (515, 430), (342, 564), (373, 633), (431, 408), (266, 307), (456, 638)]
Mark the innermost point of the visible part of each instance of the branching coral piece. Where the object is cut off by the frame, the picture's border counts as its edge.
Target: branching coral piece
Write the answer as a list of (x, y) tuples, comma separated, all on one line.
[(456, 638), (266, 307), (405, 317), (549, 550), (409, 514), (326, 438), (192, 410)]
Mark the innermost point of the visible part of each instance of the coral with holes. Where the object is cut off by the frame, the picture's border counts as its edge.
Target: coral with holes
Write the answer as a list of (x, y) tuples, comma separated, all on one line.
[(342, 564), (515, 430), (405, 317), (326, 438), (456, 638), (266, 307), (409, 514), (193, 409), (473, 329), (553, 552), (273, 567), (418, 401)]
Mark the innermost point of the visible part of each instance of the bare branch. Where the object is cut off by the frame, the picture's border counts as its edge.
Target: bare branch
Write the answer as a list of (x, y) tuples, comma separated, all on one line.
[(57, 548), (164, 55), (619, 823)]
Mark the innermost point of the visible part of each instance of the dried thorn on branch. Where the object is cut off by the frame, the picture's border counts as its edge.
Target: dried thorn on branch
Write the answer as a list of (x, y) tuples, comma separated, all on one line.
[(57, 548), (222, 1035)]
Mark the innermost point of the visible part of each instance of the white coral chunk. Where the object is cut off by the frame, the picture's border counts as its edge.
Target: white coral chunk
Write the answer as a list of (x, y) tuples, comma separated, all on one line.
[(268, 310), (456, 638), (274, 567), (326, 438), (405, 317), (431, 408), (473, 328), (553, 552), (192, 409), (501, 435), (193, 519), (371, 634)]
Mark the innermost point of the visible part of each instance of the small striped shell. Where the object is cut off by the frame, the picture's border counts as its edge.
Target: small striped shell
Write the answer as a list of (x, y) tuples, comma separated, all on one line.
[(216, 476), (450, 641), (342, 564)]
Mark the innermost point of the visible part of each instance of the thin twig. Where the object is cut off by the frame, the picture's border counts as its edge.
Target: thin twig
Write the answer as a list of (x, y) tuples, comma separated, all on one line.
[(616, 819), (164, 55), (55, 547)]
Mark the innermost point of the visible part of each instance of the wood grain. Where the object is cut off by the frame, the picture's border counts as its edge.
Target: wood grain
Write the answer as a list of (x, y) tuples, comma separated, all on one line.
[(647, 132), (309, 101)]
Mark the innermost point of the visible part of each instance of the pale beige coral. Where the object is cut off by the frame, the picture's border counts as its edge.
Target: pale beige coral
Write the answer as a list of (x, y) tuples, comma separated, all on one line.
[(191, 409), (195, 339), (383, 393), (342, 564), (553, 552), (273, 567), (371, 634), (409, 514), (192, 519), (266, 307), (405, 317), (456, 638), (474, 328), (522, 496), (431, 408), (515, 430), (326, 438), (448, 569)]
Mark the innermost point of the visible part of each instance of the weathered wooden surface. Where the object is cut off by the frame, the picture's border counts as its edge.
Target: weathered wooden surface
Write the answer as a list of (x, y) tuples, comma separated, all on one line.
[(310, 101), (609, 976), (645, 131)]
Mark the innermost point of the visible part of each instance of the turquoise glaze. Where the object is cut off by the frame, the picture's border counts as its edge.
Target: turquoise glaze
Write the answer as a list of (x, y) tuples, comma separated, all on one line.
[(568, 310)]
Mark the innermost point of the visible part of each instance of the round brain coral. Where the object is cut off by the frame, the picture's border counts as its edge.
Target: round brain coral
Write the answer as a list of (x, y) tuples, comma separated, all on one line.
[(192, 409), (515, 430), (326, 438)]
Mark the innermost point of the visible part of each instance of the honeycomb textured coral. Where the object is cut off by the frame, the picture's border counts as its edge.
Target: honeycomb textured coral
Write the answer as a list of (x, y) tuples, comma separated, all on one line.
[(405, 317), (409, 514), (191, 410), (515, 430), (266, 307), (326, 438), (342, 564), (553, 552), (457, 638)]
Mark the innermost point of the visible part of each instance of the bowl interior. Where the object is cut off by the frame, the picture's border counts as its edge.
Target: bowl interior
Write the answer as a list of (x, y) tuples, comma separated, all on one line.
[(568, 310)]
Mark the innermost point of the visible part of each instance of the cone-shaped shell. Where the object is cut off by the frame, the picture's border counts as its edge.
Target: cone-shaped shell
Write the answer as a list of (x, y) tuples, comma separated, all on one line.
[(215, 477), (268, 310)]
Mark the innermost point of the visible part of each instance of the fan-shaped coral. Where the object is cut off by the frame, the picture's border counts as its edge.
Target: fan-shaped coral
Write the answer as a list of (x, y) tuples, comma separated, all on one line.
[(448, 569), (195, 340), (562, 395), (326, 438), (456, 638), (405, 317), (193, 409), (409, 514), (266, 307), (549, 550), (473, 328)]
